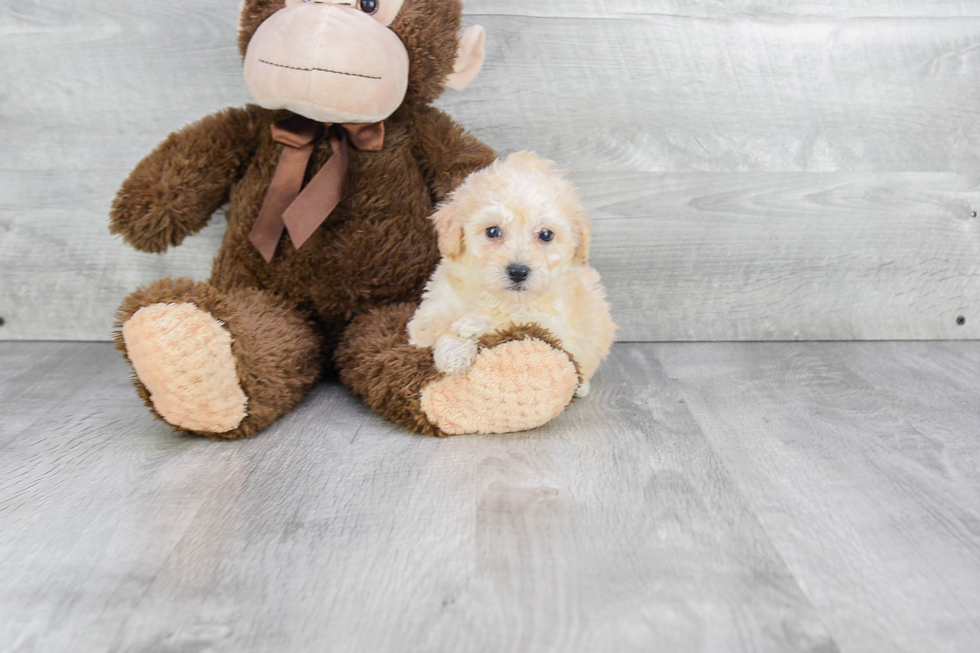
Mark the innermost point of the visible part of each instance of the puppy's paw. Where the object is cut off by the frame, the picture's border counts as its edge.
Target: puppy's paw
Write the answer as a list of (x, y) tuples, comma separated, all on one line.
[(472, 325), (454, 355), (583, 390)]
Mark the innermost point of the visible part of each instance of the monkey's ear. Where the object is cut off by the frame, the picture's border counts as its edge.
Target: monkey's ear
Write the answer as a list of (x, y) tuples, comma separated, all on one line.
[(449, 226), (470, 55)]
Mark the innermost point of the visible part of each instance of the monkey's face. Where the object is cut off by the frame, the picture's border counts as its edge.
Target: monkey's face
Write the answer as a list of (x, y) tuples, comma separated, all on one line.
[(331, 61), (355, 60)]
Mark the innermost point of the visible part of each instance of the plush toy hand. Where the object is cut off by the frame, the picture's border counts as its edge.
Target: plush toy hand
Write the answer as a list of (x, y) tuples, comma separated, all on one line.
[(454, 355)]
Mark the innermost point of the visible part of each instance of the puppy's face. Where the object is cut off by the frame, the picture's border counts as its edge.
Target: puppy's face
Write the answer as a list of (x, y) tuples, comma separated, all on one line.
[(516, 226), (519, 247)]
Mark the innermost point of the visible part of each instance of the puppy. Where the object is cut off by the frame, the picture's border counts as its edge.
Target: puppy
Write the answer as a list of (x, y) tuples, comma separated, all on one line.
[(515, 245)]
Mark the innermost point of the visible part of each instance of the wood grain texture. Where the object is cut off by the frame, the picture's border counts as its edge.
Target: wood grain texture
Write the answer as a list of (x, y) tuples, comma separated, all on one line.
[(730, 9), (711, 497), (334, 527), (883, 94), (88, 89), (793, 256), (863, 465), (774, 92)]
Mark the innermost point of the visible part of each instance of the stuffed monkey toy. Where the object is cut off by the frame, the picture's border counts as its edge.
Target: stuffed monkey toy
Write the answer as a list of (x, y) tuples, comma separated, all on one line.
[(330, 180)]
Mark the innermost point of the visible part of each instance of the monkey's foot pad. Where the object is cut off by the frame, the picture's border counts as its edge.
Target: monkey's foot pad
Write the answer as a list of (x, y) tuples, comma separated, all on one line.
[(516, 386), (183, 356)]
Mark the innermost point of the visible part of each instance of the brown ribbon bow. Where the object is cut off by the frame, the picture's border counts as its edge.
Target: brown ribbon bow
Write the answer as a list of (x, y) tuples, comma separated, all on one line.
[(285, 206)]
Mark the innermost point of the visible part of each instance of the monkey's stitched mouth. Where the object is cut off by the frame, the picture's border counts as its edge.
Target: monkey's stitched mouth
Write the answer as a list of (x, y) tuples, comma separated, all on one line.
[(318, 70)]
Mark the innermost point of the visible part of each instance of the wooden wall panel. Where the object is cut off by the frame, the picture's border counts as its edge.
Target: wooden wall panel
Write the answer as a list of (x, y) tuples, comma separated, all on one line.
[(728, 9), (758, 170), (743, 93), (788, 256)]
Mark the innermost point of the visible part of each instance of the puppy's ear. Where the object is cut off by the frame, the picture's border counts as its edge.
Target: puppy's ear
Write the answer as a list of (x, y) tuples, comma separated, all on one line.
[(584, 238), (449, 225)]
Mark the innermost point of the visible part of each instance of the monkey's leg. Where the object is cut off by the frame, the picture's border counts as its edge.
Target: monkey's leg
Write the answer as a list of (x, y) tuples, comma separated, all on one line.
[(520, 380), (221, 365)]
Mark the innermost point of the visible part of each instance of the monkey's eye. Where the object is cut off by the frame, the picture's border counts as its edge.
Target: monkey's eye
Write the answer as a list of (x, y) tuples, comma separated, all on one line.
[(546, 236), (494, 232), (369, 6)]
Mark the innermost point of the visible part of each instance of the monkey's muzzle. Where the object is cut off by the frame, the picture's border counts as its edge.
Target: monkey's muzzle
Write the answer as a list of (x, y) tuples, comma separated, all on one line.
[(330, 63)]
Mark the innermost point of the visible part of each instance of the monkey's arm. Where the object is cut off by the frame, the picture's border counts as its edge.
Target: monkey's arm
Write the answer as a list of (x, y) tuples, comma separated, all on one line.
[(446, 152), (173, 192)]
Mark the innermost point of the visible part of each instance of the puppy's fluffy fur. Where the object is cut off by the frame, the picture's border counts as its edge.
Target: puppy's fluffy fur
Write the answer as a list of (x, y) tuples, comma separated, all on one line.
[(515, 245)]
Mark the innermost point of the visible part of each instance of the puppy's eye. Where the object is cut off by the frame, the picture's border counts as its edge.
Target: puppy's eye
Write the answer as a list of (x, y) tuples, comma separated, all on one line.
[(369, 6), (546, 236), (494, 232)]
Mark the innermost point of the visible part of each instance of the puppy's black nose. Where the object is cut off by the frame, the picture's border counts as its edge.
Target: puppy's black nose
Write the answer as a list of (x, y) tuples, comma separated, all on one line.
[(517, 272)]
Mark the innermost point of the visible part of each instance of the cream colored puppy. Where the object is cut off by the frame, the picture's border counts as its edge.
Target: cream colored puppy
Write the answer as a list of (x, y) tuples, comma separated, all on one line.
[(515, 245)]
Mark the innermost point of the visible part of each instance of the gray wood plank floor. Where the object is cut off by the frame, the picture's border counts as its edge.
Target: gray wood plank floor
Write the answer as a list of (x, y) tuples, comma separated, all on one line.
[(707, 497)]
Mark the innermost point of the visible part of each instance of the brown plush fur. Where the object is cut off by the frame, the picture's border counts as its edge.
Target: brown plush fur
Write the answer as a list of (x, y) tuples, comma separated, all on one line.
[(376, 249), (377, 363), (275, 348)]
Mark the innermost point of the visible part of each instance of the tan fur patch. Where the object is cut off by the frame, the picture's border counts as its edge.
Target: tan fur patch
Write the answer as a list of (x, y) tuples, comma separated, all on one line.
[(183, 357), (516, 386)]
